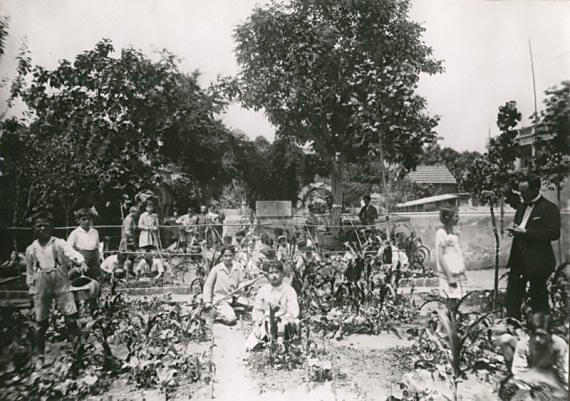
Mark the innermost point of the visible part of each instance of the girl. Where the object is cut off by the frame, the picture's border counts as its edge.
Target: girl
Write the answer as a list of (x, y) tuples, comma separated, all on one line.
[(148, 225), (448, 256)]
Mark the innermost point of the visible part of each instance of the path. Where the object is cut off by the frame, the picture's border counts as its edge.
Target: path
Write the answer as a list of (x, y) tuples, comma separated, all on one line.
[(233, 382)]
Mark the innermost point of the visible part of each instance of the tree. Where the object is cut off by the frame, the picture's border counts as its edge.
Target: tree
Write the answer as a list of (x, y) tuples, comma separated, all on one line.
[(552, 160), (108, 123), (490, 175), (340, 74)]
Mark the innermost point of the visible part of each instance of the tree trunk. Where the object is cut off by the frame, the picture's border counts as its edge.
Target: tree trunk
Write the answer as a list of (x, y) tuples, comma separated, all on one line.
[(561, 239), (383, 171), (384, 186), (497, 250), (336, 186), (502, 219)]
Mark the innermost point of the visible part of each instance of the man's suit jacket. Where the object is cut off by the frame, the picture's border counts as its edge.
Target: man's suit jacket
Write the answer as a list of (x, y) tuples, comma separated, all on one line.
[(368, 215), (531, 252)]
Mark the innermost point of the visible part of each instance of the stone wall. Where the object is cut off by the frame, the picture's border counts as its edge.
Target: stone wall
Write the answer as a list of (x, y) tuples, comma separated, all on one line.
[(476, 236)]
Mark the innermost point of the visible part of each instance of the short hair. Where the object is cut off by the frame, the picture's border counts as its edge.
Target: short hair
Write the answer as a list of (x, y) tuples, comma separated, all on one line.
[(41, 214), (133, 209), (276, 264), (539, 320), (533, 180), (228, 248), (366, 197), (84, 212), (446, 214), (240, 233)]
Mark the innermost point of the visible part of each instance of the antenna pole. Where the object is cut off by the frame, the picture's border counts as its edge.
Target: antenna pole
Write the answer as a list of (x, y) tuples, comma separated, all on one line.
[(533, 80)]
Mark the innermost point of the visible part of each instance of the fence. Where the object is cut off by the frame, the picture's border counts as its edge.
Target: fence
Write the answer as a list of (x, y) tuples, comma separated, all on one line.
[(19, 238)]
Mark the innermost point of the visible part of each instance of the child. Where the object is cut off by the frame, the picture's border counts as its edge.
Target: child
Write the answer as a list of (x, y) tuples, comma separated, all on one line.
[(448, 256), (128, 231), (306, 256), (283, 250), (224, 278), (541, 351), (47, 274), (85, 240), (150, 264), (278, 297), (148, 224), (117, 265)]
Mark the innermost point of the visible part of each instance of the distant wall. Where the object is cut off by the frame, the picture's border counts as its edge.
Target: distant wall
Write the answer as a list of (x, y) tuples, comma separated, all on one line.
[(476, 236)]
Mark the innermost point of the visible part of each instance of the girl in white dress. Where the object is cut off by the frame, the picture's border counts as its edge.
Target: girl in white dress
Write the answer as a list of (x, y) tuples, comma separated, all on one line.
[(448, 256), (148, 226)]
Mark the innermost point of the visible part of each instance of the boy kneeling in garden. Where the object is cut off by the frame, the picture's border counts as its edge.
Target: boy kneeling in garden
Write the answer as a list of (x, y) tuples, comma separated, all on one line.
[(275, 301)]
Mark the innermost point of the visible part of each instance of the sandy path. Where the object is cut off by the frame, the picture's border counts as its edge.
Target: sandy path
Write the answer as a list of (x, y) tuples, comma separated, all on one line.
[(234, 382)]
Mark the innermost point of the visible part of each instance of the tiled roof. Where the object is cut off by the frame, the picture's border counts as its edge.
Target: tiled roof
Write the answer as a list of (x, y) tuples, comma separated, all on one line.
[(437, 174)]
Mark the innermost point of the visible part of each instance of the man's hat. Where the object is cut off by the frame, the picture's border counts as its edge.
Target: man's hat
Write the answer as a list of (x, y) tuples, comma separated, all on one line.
[(41, 214)]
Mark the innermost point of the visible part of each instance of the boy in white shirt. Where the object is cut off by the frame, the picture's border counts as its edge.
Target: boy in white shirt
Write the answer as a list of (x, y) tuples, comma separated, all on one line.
[(47, 260), (117, 265), (150, 264), (277, 296), (85, 240)]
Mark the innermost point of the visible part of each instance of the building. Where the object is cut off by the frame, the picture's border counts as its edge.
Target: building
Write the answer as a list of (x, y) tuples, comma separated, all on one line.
[(438, 176), (526, 140)]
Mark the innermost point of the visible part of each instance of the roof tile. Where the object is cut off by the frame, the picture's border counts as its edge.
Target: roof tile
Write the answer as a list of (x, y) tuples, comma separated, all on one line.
[(436, 174)]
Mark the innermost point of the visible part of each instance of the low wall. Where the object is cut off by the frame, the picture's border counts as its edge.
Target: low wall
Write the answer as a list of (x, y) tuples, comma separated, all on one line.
[(476, 236)]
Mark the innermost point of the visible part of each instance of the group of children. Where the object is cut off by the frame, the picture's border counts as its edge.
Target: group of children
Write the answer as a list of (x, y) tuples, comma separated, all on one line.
[(275, 303)]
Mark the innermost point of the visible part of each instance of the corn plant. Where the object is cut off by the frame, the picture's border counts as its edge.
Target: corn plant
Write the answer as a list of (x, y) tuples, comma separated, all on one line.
[(453, 342)]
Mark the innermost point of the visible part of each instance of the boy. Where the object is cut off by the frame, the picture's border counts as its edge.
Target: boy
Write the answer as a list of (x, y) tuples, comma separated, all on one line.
[(117, 265), (224, 278), (150, 264), (186, 231), (47, 273), (540, 351), (277, 296), (85, 240), (128, 231)]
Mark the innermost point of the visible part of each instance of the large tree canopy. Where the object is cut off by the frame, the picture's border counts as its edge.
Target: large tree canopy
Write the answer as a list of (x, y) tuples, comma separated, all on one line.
[(109, 122), (339, 73)]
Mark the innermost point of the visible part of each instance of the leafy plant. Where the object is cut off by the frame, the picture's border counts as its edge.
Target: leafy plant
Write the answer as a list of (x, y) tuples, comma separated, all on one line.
[(453, 341)]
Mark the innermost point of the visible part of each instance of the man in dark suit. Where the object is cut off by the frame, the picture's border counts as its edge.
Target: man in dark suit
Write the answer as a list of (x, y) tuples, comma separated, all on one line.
[(536, 225), (368, 214)]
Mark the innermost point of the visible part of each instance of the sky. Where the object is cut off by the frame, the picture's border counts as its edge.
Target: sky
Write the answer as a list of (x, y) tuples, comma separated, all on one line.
[(484, 45)]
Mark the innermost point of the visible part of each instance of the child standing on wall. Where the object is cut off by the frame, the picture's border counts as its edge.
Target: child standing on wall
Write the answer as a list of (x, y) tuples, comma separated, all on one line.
[(449, 257), (148, 225)]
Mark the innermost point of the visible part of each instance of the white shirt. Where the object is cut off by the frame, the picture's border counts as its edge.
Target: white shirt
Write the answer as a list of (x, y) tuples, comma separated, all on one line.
[(42, 257), (283, 296), (143, 266), (186, 220), (84, 240), (528, 211), (110, 263)]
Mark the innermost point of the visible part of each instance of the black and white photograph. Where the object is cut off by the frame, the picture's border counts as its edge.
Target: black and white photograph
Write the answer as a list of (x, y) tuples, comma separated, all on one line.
[(284, 200)]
